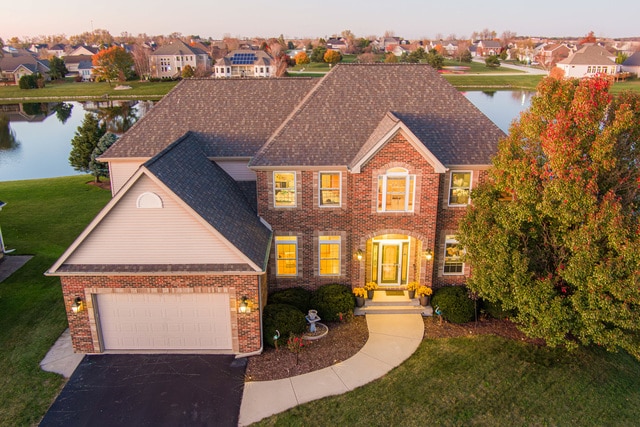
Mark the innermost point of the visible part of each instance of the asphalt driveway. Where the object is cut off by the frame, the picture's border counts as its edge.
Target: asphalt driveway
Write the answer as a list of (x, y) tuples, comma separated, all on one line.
[(151, 390)]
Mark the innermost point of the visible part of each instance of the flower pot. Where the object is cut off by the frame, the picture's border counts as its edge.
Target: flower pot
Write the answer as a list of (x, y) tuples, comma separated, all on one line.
[(412, 293), (359, 301), (424, 301), (370, 294)]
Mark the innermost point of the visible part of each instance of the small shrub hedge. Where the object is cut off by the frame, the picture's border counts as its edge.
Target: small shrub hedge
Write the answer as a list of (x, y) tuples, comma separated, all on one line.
[(297, 297), (455, 304), (284, 318), (330, 300)]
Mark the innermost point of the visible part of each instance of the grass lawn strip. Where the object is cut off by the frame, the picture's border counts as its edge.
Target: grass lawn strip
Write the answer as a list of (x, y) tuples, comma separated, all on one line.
[(488, 380), (42, 218)]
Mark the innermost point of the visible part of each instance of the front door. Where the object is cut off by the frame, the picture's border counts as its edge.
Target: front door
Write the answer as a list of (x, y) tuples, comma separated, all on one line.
[(390, 263)]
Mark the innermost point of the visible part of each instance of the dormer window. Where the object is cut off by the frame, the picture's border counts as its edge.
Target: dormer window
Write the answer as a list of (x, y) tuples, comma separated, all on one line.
[(396, 191)]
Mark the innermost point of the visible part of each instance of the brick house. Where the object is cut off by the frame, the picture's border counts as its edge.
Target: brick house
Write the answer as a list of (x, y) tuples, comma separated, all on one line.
[(273, 183)]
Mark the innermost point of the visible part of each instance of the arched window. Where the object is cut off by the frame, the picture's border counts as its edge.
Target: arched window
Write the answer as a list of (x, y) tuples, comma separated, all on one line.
[(149, 200), (396, 191)]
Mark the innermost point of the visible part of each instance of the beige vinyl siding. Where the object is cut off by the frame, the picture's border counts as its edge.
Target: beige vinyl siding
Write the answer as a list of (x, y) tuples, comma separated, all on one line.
[(237, 169), (167, 235), (120, 172)]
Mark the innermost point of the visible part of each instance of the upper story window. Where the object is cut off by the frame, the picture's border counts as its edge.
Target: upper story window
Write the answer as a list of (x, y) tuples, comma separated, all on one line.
[(330, 191), (453, 256), (284, 189), (459, 188), (286, 255), (329, 255), (396, 191)]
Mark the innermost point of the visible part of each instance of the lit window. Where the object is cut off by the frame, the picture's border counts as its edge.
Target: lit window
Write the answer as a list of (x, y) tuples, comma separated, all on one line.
[(286, 255), (329, 255), (329, 188), (396, 191), (453, 256), (459, 188), (284, 189)]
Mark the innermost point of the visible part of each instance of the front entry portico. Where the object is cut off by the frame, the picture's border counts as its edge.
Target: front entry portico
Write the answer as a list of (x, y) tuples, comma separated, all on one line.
[(390, 260)]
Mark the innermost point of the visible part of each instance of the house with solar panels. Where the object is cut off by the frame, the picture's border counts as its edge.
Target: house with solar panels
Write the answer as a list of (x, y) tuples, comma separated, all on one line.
[(245, 63)]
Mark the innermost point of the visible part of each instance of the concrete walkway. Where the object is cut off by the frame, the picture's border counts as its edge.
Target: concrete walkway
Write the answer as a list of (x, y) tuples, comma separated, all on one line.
[(392, 339), (12, 263)]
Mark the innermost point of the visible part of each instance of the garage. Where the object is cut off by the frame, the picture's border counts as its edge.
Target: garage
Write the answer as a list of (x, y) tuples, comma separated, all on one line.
[(164, 321)]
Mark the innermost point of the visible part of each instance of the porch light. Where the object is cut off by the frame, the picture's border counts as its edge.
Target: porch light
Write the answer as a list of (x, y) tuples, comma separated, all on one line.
[(428, 254), (78, 305), (359, 254), (245, 305)]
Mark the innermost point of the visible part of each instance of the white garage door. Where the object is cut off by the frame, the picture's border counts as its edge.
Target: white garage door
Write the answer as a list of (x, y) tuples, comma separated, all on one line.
[(165, 321)]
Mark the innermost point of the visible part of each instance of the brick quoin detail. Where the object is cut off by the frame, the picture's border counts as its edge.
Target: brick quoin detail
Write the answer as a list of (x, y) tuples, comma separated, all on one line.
[(245, 328), (358, 217)]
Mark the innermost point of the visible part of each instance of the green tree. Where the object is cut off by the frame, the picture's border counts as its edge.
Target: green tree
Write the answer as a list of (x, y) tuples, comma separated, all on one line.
[(554, 233), (332, 57), (417, 55), (57, 68), (317, 54), (492, 61), (434, 59), (113, 63), (390, 58), (621, 57), (187, 72), (101, 169), (84, 142), (466, 56)]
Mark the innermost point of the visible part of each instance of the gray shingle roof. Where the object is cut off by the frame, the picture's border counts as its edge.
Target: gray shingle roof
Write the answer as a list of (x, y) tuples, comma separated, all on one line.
[(590, 55), (339, 115), (177, 47), (213, 194), (633, 60), (232, 117)]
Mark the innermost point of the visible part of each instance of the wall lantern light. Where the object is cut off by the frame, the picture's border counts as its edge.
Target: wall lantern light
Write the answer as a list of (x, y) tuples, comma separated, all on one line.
[(359, 254), (245, 305), (78, 305), (428, 254)]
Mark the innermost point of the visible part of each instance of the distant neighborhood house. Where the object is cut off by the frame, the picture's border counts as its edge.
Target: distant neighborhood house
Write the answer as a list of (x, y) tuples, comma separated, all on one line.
[(590, 60), (245, 63), (632, 64), (17, 63), (169, 61)]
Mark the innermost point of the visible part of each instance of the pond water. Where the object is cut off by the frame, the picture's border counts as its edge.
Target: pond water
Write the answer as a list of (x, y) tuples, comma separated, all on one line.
[(35, 139)]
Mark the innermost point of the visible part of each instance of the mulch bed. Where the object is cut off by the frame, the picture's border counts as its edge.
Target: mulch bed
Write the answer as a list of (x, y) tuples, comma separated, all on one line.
[(346, 339)]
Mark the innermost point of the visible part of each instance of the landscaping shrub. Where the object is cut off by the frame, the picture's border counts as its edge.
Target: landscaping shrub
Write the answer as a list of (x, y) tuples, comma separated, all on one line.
[(297, 297), (331, 300), (285, 318), (455, 304), (495, 310)]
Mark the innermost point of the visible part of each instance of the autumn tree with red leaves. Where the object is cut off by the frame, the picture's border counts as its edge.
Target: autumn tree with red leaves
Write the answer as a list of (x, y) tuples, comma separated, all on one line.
[(554, 233), (113, 63)]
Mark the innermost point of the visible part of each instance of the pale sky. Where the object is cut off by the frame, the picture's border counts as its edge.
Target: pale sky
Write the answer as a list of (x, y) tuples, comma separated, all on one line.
[(410, 19)]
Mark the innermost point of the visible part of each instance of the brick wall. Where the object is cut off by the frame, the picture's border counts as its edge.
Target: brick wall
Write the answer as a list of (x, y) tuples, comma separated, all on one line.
[(245, 328), (357, 219)]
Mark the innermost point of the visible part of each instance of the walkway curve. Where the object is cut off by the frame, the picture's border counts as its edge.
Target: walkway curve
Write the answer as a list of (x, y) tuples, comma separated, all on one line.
[(393, 338)]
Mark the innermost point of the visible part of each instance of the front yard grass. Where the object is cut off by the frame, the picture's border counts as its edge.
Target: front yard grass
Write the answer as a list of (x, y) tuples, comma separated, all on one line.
[(487, 381), (42, 218)]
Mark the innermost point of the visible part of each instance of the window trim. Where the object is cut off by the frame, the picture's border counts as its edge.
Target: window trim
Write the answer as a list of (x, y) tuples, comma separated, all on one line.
[(336, 241), (409, 193), (320, 189), (294, 189), (451, 188), (286, 240), (451, 239)]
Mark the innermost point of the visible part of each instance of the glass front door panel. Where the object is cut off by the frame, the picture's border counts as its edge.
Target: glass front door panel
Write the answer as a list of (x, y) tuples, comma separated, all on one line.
[(389, 264)]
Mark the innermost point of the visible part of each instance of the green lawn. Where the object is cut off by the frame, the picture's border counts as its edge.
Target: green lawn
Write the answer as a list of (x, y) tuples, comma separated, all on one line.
[(505, 81), (71, 90), (42, 218), (487, 381)]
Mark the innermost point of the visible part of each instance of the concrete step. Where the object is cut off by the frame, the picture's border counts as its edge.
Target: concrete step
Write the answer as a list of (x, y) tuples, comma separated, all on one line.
[(394, 309)]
